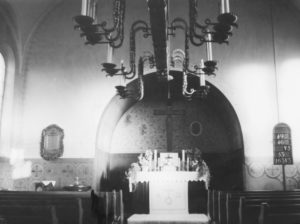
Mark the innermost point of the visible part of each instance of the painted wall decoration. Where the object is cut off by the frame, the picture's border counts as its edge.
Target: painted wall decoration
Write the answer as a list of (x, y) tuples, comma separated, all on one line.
[(63, 171), (261, 174)]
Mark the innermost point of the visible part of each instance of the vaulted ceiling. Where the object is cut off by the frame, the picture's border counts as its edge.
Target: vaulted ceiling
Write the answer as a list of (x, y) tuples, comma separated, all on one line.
[(29, 13)]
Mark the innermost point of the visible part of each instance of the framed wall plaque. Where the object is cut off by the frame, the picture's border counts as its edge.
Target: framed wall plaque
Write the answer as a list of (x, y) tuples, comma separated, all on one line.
[(282, 140), (52, 146)]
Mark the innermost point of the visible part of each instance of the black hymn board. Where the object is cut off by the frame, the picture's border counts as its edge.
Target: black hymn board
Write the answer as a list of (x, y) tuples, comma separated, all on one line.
[(282, 144)]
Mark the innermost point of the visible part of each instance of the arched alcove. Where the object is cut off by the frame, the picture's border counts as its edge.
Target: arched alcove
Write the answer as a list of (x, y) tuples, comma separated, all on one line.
[(129, 127)]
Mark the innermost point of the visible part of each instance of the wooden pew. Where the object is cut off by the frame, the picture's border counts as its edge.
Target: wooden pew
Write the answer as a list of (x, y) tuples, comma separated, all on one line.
[(246, 209), (33, 214), (108, 207), (63, 207), (279, 213)]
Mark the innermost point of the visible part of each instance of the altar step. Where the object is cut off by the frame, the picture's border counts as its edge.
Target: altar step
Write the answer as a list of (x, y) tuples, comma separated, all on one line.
[(168, 218)]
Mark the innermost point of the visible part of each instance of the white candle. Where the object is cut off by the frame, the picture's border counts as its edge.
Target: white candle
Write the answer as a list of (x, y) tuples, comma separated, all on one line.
[(93, 9), (183, 155), (109, 53), (155, 160), (222, 7), (115, 203), (84, 7), (227, 8), (209, 48), (187, 164), (202, 75), (202, 79)]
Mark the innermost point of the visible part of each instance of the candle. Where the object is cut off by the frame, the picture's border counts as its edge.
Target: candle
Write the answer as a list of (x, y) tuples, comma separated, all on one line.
[(222, 7), (84, 7), (227, 8), (109, 53), (115, 203), (202, 74), (187, 164), (183, 155), (202, 79), (93, 9), (155, 159), (209, 48)]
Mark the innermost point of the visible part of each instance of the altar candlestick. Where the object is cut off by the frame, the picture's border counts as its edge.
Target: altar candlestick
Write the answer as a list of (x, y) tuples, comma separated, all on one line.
[(202, 75), (155, 159), (187, 164), (115, 203), (121, 206)]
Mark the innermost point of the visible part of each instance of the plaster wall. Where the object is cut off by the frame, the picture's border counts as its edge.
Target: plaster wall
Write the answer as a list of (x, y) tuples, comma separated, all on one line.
[(64, 85)]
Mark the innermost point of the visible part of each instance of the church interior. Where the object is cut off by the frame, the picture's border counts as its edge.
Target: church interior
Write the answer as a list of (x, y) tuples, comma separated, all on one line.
[(107, 106)]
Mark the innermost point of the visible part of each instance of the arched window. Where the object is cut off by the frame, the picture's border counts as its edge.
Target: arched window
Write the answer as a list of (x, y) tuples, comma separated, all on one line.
[(2, 83), (7, 83)]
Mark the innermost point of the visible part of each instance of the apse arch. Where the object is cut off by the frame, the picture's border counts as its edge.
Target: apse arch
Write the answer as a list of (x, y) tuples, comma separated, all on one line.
[(228, 163)]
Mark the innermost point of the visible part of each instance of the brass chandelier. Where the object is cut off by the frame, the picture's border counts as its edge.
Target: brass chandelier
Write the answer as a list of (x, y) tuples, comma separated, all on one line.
[(160, 29)]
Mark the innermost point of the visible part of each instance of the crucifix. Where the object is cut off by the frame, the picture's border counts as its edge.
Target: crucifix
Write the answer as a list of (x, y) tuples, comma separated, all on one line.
[(169, 112)]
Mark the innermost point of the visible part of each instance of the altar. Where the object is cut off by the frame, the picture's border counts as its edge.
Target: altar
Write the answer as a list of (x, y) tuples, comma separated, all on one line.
[(168, 191), (168, 178)]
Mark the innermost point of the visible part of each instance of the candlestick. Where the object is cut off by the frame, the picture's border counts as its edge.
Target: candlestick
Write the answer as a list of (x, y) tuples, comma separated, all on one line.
[(187, 164), (115, 203), (183, 155), (155, 160), (202, 74), (209, 48)]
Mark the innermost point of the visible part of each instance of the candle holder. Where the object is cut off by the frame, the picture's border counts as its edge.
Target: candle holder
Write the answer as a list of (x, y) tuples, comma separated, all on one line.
[(210, 67), (122, 91), (228, 18)]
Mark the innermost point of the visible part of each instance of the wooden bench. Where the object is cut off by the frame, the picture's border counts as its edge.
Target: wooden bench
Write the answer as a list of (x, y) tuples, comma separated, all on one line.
[(245, 207), (231, 207), (108, 207), (279, 213), (64, 207)]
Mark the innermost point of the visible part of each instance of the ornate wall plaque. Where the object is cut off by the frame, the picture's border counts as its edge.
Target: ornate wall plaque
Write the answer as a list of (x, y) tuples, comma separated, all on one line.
[(282, 144), (52, 146)]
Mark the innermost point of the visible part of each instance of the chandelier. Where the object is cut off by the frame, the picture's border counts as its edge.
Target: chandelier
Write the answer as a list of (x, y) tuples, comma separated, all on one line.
[(160, 29)]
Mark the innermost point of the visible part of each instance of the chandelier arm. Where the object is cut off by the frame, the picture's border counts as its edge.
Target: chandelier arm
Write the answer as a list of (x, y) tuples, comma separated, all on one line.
[(194, 25), (193, 14), (139, 25), (118, 29), (118, 15), (179, 23), (185, 92), (140, 77)]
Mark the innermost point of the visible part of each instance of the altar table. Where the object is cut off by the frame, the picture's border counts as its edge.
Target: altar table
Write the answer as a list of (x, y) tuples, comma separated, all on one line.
[(168, 191), (168, 219)]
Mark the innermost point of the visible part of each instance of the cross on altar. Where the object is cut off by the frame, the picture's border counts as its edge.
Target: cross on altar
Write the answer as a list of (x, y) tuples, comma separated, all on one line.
[(169, 112)]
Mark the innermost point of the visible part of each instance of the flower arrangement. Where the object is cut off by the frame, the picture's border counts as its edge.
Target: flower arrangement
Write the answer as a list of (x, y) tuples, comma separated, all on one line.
[(198, 164), (145, 160)]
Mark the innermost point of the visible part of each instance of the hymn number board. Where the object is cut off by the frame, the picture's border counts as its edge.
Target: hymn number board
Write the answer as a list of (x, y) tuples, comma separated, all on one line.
[(282, 144)]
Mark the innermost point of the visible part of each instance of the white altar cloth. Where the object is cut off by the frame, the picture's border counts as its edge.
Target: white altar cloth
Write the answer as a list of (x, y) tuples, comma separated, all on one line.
[(166, 176), (174, 176), (168, 191), (162, 219)]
